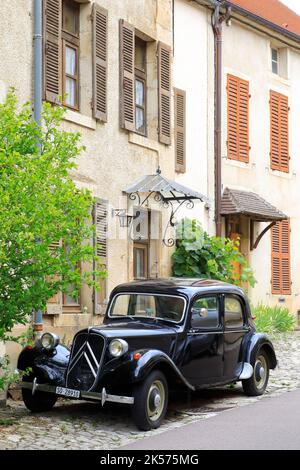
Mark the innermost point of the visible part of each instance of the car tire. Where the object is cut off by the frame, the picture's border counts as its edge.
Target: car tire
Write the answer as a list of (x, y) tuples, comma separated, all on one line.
[(257, 384), (40, 401), (150, 401)]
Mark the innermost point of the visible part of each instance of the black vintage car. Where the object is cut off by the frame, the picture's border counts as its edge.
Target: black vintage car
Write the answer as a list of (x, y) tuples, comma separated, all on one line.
[(156, 335)]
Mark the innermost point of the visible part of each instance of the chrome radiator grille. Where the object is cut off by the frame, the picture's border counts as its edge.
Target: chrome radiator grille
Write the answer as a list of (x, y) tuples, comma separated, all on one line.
[(85, 361)]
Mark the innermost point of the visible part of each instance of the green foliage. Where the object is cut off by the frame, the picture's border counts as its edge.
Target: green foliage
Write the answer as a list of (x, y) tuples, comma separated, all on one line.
[(272, 319), (199, 255), (40, 206)]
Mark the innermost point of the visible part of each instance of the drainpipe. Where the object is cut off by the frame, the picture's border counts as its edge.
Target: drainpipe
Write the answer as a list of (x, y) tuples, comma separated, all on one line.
[(37, 107), (217, 22)]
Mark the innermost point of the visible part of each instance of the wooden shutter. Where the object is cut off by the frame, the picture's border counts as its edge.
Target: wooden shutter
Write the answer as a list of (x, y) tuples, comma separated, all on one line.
[(52, 49), (164, 93), (180, 126), (279, 132), (55, 304), (238, 118), (127, 45), (281, 269), (100, 214), (100, 47)]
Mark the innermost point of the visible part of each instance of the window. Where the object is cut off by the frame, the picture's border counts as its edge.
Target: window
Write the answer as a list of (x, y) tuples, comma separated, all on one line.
[(275, 60), (238, 119), (146, 305), (205, 313), (233, 313), (281, 269), (141, 244), (140, 80), (140, 261), (71, 300), (70, 50)]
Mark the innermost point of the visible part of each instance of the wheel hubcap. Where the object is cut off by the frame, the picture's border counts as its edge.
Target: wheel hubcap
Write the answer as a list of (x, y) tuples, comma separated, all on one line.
[(155, 400), (260, 372)]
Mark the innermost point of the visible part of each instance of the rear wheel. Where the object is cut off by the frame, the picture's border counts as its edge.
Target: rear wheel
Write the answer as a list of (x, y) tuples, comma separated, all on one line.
[(40, 401), (257, 384), (150, 401)]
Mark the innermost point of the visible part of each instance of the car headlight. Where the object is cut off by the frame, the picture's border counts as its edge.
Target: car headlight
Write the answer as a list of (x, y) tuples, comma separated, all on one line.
[(118, 347), (49, 341)]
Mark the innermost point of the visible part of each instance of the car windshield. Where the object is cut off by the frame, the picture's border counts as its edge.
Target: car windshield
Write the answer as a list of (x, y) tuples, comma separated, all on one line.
[(162, 307)]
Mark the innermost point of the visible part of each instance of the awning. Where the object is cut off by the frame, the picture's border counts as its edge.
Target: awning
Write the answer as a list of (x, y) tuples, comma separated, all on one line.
[(168, 189), (236, 202), (169, 193)]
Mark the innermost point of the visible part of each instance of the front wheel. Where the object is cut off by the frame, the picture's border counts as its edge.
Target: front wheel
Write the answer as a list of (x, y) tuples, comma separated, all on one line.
[(257, 384), (40, 401), (150, 401)]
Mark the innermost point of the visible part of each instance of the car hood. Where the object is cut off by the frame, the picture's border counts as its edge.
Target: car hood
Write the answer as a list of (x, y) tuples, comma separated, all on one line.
[(141, 335), (132, 329)]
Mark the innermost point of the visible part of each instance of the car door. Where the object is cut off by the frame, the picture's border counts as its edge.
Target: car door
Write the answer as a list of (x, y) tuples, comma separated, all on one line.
[(235, 328), (203, 358)]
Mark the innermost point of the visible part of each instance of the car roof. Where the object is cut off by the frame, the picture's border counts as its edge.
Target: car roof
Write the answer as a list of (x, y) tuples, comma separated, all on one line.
[(175, 285)]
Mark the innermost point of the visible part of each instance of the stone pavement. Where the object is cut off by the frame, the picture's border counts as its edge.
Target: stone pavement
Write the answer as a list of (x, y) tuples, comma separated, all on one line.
[(82, 425)]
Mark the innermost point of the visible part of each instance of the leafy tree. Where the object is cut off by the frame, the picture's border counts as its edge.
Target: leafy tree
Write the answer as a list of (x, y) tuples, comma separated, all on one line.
[(40, 207), (201, 256)]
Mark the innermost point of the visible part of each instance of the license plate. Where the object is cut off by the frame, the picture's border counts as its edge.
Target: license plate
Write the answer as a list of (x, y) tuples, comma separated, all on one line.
[(68, 392)]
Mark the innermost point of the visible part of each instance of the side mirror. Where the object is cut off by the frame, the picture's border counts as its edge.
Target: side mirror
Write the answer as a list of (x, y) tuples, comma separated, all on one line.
[(203, 313)]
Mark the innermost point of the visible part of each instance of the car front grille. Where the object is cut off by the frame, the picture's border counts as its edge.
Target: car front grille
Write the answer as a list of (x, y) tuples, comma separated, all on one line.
[(85, 361)]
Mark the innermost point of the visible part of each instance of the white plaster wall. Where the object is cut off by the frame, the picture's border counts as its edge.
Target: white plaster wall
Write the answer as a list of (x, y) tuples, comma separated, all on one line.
[(251, 61), (193, 73)]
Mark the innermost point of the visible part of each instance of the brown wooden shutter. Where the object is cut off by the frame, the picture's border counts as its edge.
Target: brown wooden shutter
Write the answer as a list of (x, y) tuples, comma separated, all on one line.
[(55, 304), (100, 47), (281, 269), (52, 49), (100, 216), (238, 118), (279, 132), (127, 46), (164, 93), (180, 128), (285, 258)]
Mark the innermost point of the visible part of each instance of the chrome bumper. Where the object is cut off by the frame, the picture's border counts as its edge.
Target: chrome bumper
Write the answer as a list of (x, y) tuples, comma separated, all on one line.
[(102, 397)]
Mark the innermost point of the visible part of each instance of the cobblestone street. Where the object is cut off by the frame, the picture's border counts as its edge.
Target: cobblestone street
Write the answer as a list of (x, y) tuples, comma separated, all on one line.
[(82, 425)]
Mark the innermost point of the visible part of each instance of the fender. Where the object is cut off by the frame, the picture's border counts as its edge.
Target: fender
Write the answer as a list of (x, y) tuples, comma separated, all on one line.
[(151, 358), (254, 343), (48, 366)]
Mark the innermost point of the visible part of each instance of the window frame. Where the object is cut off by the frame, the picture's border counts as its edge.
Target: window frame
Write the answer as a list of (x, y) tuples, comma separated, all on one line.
[(73, 42), (277, 62), (218, 328), (242, 303), (145, 247), (141, 76)]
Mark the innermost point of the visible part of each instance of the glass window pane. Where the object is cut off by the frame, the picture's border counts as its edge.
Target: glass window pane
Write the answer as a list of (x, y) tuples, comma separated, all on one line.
[(69, 299), (139, 93), (70, 92), (71, 61), (233, 313), (205, 313), (140, 120), (140, 54), (70, 18), (139, 262)]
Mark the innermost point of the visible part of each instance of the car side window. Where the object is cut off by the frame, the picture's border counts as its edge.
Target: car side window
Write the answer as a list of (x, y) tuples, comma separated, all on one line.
[(205, 313), (233, 313)]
